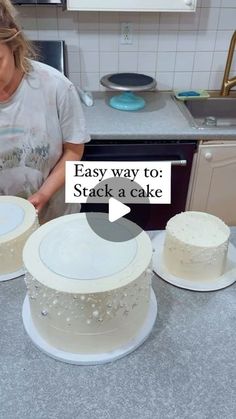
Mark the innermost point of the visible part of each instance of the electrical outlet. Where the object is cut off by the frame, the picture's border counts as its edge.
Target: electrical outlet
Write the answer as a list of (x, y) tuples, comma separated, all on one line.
[(126, 36)]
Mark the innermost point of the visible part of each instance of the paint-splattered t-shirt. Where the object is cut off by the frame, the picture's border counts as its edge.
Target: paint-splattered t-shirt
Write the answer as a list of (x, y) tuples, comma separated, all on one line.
[(43, 113)]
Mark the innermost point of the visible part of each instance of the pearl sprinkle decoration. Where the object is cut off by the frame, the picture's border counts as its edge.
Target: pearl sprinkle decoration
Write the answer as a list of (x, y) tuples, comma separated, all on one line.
[(90, 309)]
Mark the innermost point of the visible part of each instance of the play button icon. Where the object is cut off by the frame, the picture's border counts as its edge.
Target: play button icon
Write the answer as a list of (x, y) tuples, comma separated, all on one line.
[(117, 210), (113, 216)]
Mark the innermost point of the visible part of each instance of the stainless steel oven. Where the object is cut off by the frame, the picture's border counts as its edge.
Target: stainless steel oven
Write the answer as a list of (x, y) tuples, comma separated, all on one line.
[(180, 153), (52, 53)]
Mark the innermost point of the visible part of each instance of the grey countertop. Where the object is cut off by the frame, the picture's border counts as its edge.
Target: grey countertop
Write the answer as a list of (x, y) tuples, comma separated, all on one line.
[(186, 369), (160, 119)]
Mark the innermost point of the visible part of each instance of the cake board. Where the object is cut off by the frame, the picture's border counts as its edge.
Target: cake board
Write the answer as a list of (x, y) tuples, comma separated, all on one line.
[(225, 280), (90, 359), (12, 275)]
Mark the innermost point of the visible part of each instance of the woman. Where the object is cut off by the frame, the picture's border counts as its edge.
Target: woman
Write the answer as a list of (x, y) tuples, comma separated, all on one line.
[(41, 123)]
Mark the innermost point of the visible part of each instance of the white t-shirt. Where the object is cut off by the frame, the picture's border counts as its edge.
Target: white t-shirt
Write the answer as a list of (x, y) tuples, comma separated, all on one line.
[(43, 113)]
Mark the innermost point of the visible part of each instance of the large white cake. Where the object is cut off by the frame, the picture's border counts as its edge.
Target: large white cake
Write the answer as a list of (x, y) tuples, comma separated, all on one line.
[(18, 219), (87, 295), (195, 246)]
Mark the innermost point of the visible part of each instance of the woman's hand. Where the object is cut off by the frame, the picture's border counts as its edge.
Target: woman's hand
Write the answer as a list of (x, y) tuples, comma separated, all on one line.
[(38, 200), (56, 179)]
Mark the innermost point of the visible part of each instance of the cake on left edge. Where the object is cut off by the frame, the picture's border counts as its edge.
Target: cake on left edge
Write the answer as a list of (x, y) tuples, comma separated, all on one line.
[(18, 219)]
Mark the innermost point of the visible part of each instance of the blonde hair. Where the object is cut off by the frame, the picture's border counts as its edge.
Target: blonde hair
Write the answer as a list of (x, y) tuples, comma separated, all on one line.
[(10, 33)]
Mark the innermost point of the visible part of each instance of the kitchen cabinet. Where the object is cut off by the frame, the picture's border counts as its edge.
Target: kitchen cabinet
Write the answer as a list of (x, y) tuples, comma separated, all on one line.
[(213, 187), (134, 5)]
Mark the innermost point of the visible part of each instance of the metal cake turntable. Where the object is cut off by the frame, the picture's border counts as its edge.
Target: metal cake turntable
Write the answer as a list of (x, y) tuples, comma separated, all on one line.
[(128, 83)]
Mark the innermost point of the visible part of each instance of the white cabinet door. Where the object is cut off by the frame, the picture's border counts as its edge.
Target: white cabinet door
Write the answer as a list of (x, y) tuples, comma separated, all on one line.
[(134, 5), (214, 183)]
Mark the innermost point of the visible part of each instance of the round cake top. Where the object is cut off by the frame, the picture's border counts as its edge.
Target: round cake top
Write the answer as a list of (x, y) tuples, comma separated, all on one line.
[(16, 216), (11, 217), (198, 229), (66, 255), (82, 254)]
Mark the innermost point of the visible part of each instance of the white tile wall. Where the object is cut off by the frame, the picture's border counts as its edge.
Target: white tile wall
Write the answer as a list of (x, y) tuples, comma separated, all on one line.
[(181, 50)]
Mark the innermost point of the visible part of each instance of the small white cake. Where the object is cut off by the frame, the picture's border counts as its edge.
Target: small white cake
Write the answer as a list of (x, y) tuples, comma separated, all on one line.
[(18, 219), (196, 245), (87, 295)]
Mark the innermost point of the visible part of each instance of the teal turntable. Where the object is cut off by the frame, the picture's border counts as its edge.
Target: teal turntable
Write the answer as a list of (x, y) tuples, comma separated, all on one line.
[(128, 83)]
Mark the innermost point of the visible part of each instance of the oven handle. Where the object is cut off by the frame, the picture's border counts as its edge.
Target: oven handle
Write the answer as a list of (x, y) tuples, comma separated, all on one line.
[(178, 162)]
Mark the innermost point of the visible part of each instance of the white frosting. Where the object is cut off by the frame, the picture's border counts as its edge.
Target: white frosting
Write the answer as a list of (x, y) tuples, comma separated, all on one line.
[(104, 312), (84, 259), (122, 268), (196, 246), (11, 216), (18, 220)]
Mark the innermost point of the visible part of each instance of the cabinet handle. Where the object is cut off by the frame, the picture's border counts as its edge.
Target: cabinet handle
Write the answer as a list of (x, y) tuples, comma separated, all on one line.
[(188, 2), (208, 156), (178, 162)]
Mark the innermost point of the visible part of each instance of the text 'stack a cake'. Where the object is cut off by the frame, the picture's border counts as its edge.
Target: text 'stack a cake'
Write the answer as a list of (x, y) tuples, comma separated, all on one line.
[(18, 219), (87, 295), (196, 245)]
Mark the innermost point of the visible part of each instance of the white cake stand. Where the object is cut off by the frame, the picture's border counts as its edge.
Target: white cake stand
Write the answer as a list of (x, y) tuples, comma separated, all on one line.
[(90, 359), (12, 275), (223, 281)]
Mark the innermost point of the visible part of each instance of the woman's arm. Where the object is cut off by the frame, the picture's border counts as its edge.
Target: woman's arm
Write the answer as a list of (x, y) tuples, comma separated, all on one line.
[(56, 178)]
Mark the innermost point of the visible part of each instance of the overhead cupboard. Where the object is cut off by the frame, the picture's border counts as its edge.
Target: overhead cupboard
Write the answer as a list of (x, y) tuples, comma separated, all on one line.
[(133, 5)]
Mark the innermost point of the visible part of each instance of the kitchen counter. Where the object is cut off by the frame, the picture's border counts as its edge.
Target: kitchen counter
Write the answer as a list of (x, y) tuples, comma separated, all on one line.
[(186, 369), (160, 119)]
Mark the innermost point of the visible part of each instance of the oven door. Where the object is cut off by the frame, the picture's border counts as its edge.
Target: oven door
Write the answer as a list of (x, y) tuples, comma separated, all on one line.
[(156, 215)]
